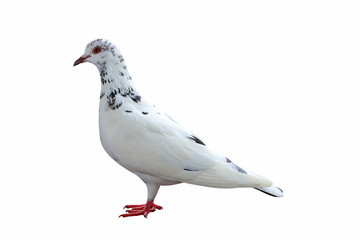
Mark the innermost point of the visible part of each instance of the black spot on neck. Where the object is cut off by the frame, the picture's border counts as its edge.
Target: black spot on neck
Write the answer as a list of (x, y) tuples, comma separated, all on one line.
[(116, 106), (113, 101), (133, 95), (103, 72)]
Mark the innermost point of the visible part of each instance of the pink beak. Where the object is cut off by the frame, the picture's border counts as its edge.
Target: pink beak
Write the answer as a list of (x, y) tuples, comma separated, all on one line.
[(81, 60)]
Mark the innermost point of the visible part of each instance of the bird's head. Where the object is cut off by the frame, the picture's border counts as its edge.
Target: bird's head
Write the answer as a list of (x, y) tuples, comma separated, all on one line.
[(110, 63), (100, 52)]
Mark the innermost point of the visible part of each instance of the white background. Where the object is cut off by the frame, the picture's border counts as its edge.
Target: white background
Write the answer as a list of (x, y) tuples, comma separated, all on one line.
[(274, 85)]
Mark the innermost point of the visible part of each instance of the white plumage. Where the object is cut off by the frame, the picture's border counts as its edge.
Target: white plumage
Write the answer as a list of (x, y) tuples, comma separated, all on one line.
[(151, 144)]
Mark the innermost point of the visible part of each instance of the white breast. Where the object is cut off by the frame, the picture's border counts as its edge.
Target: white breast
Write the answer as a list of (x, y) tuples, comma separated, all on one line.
[(124, 133)]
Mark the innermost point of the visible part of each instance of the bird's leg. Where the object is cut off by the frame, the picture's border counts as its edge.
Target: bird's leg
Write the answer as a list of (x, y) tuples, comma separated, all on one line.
[(144, 209)]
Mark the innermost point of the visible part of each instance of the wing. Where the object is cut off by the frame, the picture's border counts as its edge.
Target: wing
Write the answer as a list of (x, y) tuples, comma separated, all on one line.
[(156, 145), (219, 171)]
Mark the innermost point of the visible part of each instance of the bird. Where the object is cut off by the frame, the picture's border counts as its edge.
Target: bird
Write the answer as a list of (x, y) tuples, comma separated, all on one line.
[(151, 144)]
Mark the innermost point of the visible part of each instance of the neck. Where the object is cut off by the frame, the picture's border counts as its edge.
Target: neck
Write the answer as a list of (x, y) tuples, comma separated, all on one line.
[(116, 84)]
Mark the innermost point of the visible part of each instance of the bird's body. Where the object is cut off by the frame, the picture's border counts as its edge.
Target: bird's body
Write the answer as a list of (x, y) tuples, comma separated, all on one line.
[(151, 144)]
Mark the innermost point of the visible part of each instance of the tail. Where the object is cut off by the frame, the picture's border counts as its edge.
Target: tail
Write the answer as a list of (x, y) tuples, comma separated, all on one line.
[(272, 191)]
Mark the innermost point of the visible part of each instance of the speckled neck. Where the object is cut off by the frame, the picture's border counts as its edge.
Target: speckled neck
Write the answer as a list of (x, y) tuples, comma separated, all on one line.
[(116, 83)]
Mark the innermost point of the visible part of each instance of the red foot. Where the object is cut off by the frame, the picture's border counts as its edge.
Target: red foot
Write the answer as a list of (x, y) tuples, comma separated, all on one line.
[(144, 209)]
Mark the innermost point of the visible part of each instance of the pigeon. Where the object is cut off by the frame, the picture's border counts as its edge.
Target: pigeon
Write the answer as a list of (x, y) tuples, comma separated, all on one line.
[(152, 145)]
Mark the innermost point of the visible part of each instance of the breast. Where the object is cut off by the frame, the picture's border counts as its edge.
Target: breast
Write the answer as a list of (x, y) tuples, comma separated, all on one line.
[(108, 134), (120, 133)]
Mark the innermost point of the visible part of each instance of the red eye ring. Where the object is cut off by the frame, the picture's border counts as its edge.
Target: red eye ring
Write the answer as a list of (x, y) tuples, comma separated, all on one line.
[(96, 50)]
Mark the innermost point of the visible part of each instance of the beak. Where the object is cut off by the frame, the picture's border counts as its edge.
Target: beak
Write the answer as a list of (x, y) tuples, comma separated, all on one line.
[(81, 60)]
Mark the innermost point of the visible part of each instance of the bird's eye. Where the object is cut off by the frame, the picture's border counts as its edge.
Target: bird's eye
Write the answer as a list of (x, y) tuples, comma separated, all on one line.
[(96, 50)]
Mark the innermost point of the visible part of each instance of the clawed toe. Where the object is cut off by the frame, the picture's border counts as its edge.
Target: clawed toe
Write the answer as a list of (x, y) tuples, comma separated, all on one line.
[(138, 210)]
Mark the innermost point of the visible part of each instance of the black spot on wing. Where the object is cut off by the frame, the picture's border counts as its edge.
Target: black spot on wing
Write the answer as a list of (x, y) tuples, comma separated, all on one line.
[(237, 167), (190, 170), (197, 140), (240, 169)]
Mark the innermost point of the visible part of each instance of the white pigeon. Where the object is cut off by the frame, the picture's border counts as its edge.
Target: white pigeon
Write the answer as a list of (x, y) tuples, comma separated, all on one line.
[(152, 145)]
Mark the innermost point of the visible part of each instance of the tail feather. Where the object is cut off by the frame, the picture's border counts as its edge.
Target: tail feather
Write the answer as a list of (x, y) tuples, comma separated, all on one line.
[(272, 191)]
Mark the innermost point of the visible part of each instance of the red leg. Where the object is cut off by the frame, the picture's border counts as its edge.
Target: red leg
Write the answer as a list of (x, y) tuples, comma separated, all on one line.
[(144, 209)]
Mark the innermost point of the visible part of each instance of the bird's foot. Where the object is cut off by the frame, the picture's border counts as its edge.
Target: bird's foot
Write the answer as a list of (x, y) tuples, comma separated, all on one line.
[(137, 210)]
